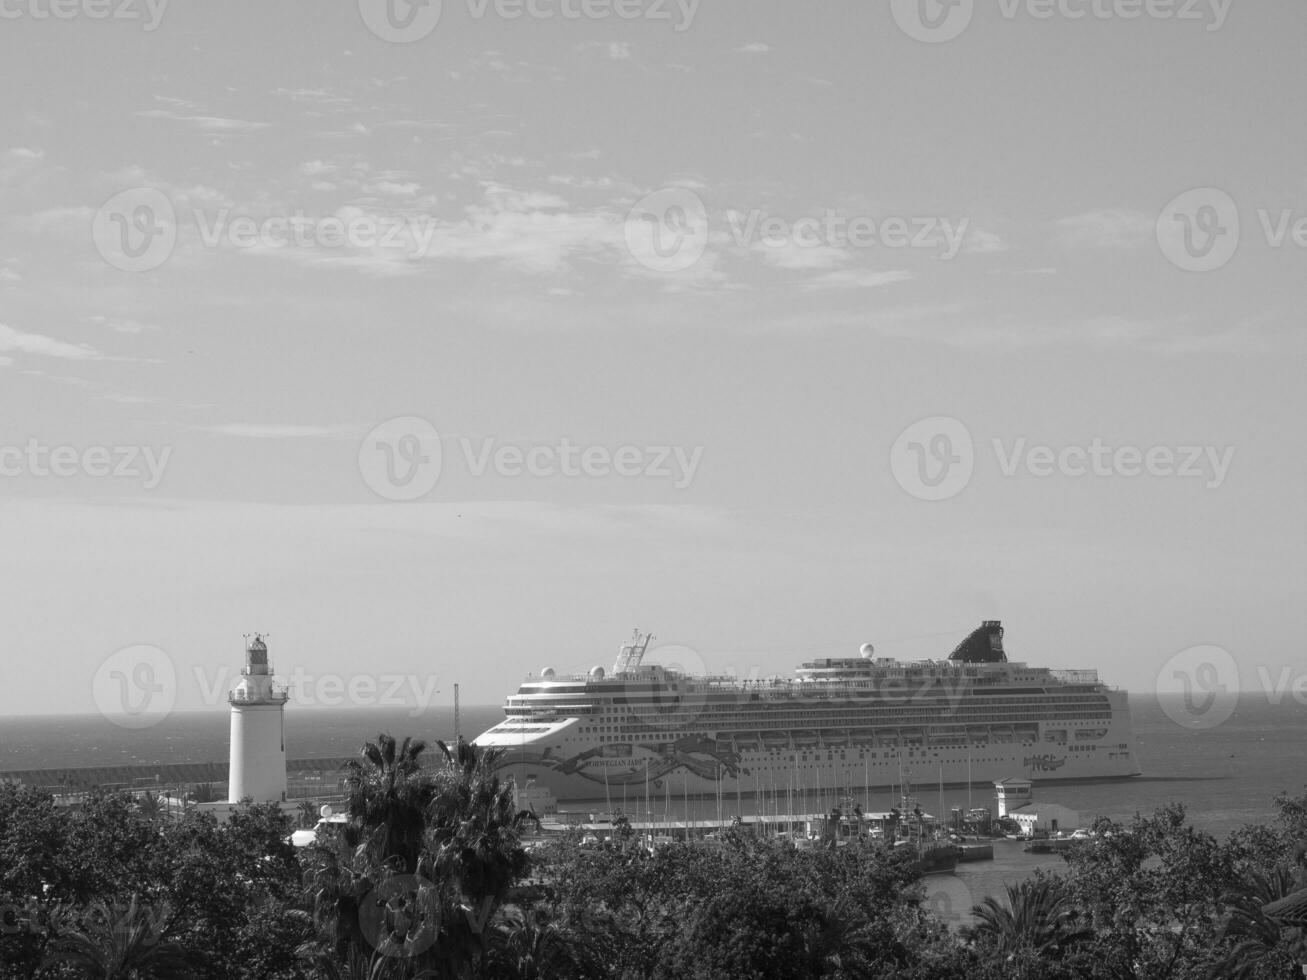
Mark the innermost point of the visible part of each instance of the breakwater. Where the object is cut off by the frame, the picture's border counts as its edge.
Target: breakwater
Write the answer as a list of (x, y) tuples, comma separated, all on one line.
[(82, 778)]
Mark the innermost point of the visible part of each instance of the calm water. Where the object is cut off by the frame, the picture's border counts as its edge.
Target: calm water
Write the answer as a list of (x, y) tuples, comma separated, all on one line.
[(1225, 777)]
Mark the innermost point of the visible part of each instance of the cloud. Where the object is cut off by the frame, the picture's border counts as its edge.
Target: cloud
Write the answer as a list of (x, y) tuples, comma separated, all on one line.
[(122, 399), (210, 124), (754, 47), (12, 340), (965, 328), (122, 324), (981, 242), (72, 223), (616, 50), (791, 255), (394, 188), (263, 431), (1112, 228), (858, 279)]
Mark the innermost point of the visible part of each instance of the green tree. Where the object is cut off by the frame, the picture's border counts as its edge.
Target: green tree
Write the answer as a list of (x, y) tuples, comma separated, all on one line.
[(388, 795), (119, 940), (1037, 926), (204, 793)]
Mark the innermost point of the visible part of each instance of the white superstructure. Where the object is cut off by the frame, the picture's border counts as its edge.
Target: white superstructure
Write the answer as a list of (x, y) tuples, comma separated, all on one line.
[(257, 766), (839, 724)]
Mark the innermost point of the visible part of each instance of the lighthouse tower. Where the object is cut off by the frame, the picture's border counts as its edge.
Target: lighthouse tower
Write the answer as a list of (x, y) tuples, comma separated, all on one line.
[(258, 731)]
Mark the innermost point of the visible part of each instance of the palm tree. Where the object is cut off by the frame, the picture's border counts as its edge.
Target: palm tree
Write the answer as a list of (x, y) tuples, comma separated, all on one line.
[(308, 814), (473, 847), (1262, 944), (387, 795), (203, 793), (150, 806), (120, 941), (1038, 921), (531, 947)]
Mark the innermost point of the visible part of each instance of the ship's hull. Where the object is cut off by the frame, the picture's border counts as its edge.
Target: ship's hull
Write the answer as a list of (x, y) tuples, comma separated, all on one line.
[(771, 772)]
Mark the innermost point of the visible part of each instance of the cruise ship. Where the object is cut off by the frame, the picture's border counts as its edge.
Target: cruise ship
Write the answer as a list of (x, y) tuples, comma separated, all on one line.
[(839, 725)]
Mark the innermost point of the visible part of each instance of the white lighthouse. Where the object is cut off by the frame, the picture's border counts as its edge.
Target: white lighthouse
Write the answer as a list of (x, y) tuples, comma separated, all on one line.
[(258, 731)]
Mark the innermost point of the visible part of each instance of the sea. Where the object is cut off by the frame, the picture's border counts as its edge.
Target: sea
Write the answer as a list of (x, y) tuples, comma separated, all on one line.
[(1226, 776)]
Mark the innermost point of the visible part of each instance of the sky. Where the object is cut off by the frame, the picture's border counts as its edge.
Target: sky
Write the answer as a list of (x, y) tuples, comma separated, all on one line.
[(448, 341)]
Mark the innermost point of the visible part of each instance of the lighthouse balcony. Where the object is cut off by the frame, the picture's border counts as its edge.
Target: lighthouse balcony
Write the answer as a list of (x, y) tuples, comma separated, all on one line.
[(272, 695)]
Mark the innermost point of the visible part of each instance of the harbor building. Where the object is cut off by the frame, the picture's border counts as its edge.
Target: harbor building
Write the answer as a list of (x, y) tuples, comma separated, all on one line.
[(1016, 801)]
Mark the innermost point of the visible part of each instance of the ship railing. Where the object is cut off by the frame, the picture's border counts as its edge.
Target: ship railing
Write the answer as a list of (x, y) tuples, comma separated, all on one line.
[(1075, 676)]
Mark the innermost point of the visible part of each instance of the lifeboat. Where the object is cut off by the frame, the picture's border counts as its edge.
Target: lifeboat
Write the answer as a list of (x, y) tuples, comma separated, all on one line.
[(835, 738), (863, 736), (776, 740), (746, 741), (805, 740)]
